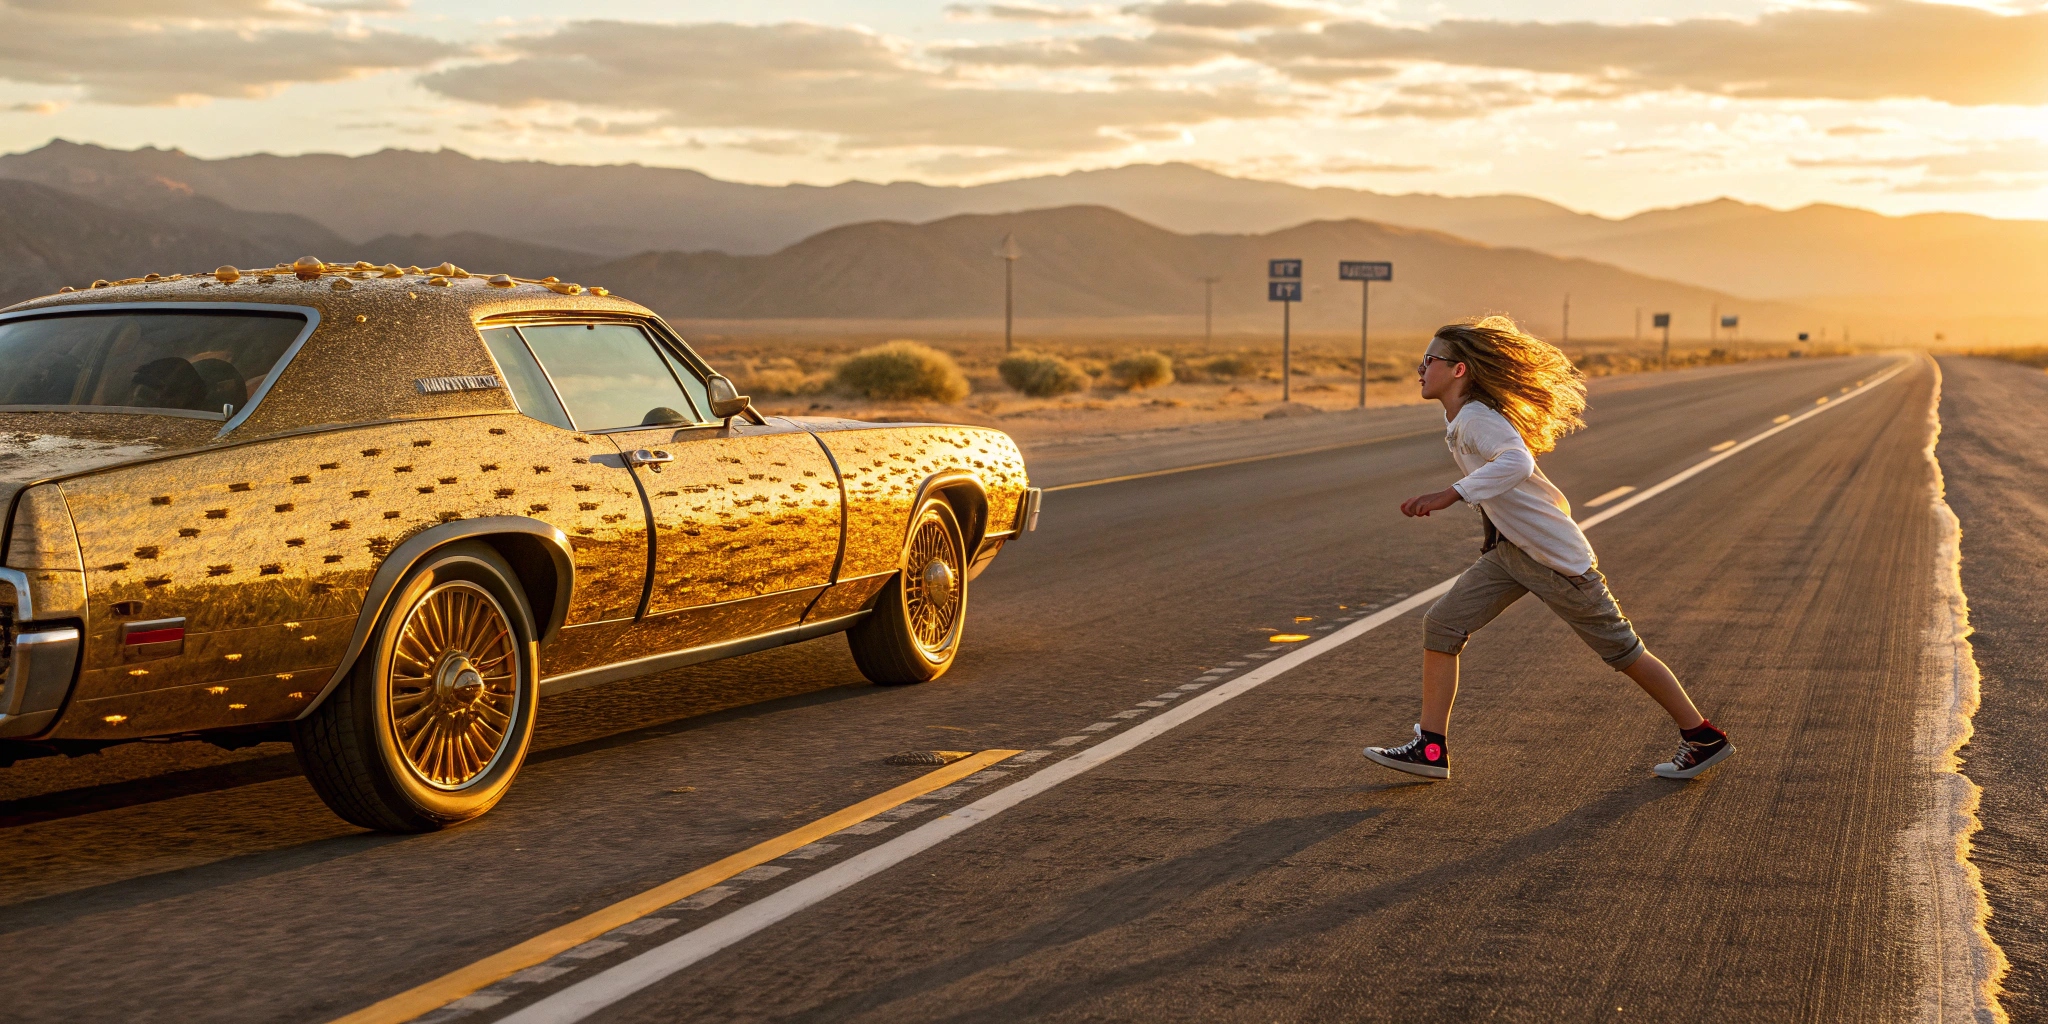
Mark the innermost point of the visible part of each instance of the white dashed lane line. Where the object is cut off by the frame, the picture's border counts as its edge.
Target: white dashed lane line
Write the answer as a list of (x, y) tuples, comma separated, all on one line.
[(586, 997)]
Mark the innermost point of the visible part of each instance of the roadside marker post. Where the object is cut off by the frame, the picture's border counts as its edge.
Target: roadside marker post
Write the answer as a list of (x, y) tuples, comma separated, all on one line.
[(1663, 320), (1365, 273), (1285, 289)]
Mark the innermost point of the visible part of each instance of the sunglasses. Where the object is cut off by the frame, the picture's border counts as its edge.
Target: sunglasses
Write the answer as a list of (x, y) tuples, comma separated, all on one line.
[(1422, 368)]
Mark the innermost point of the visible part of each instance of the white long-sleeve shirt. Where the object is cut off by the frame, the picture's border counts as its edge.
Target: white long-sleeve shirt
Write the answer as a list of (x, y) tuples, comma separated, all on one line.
[(1502, 478)]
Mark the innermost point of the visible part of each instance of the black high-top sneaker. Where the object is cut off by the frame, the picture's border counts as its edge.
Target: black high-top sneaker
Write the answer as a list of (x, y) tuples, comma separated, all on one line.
[(1426, 755), (1699, 748)]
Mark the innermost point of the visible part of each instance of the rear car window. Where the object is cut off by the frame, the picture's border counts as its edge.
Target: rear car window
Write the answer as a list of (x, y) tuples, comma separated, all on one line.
[(610, 375), (530, 388), (209, 361)]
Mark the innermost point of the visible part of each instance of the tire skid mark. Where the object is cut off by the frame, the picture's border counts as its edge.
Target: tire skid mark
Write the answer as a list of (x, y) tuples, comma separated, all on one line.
[(1968, 967)]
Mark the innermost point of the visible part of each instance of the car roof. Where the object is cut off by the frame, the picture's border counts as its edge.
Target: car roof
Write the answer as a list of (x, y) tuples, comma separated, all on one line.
[(379, 332)]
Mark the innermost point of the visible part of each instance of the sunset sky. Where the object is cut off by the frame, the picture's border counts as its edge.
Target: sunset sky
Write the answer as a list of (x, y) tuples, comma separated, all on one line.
[(1611, 106)]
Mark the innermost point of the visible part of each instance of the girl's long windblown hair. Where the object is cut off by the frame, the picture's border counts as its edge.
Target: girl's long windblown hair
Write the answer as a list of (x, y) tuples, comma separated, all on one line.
[(1520, 376)]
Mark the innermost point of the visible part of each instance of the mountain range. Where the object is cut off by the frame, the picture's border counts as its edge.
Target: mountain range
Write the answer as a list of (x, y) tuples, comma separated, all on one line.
[(1080, 262), (1831, 257), (1095, 262)]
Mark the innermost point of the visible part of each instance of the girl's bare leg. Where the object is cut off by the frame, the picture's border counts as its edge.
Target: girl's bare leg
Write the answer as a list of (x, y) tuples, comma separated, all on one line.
[(1649, 673), (1440, 688)]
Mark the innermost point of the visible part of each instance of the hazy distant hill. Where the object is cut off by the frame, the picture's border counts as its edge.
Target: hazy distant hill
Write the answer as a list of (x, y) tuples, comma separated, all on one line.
[(1948, 264), (1095, 262), (1838, 257), (470, 250), (50, 238), (620, 209)]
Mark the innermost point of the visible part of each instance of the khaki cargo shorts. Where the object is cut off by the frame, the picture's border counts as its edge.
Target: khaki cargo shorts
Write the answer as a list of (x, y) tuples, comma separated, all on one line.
[(1500, 578)]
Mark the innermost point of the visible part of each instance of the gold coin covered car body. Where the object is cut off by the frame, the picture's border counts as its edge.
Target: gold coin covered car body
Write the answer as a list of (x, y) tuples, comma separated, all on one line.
[(383, 510)]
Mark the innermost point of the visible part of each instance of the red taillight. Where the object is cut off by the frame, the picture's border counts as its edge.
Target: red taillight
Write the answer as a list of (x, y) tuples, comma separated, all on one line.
[(155, 636)]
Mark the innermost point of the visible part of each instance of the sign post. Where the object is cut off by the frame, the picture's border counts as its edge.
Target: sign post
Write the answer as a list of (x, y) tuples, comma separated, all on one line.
[(1365, 273), (1730, 323), (1663, 320), (1285, 289)]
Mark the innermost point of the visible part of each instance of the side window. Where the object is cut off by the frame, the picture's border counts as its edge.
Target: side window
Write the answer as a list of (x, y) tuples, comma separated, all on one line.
[(530, 388), (609, 375), (700, 395)]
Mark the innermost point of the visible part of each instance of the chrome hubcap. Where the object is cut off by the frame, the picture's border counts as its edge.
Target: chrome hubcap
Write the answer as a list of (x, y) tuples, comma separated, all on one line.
[(932, 591), (453, 689)]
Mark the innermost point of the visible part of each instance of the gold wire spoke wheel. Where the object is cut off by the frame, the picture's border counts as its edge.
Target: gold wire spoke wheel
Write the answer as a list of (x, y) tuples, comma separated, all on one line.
[(931, 587), (453, 689)]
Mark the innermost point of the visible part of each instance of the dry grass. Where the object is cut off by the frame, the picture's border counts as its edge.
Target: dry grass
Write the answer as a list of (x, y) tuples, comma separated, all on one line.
[(2032, 355), (1238, 378)]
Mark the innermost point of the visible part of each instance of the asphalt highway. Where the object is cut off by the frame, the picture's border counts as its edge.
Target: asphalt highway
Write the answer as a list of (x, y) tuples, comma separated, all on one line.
[(1247, 864)]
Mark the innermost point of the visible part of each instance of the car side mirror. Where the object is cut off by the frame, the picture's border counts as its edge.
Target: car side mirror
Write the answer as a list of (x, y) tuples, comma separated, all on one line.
[(726, 400)]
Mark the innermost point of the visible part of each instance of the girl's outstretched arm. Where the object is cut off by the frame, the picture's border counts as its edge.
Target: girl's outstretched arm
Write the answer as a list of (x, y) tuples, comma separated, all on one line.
[(1435, 501)]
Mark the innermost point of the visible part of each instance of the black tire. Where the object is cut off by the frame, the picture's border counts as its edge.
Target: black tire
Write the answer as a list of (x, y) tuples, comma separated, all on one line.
[(914, 630), (395, 747)]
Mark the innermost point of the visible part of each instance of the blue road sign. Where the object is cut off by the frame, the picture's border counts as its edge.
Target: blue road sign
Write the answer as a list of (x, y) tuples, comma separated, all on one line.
[(1354, 270), (1660, 319), (1284, 270), (1283, 291), (1730, 321)]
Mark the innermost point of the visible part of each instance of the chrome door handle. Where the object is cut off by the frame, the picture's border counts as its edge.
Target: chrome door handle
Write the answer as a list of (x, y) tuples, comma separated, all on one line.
[(649, 457)]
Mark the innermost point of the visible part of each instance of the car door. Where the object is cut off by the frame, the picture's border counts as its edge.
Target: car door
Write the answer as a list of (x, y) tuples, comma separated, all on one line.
[(746, 517)]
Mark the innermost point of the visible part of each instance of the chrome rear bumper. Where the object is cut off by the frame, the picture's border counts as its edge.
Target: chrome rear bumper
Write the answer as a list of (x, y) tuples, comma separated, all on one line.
[(37, 664)]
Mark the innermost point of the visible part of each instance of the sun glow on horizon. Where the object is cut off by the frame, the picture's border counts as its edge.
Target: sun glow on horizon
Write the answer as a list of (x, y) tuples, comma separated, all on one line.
[(1601, 107)]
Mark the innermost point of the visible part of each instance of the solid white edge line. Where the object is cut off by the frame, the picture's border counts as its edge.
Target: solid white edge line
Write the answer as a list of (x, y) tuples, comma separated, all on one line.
[(1619, 492), (592, 994)]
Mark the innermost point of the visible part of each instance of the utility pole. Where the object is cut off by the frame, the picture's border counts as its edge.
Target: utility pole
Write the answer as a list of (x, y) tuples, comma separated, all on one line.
[(1714, 325), (1565, 336), (1209, 313), (1639, 323), (1009, 252)]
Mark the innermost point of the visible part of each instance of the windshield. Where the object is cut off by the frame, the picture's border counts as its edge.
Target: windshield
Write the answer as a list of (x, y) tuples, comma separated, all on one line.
[(210, 361)]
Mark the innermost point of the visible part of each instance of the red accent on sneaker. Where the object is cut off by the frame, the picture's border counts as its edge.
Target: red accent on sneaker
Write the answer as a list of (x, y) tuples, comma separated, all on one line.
[(1432, 752)]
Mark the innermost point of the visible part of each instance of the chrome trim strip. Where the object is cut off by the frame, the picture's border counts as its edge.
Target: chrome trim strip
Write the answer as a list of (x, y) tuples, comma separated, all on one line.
[(24, 605), (291, 351), (651, 664), (38, 679), (118, 410)]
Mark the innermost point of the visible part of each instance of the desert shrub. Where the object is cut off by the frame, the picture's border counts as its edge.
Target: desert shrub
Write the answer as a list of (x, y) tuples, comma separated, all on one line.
[(779, 377), (903, 370), (1231, 367), (1040, 375), (1141, 370)]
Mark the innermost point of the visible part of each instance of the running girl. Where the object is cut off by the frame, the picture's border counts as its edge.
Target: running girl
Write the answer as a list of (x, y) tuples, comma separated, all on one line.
[(1506, 395)]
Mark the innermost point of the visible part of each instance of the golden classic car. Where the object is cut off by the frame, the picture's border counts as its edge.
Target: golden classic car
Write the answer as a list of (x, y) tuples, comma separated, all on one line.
[(384, 510)]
